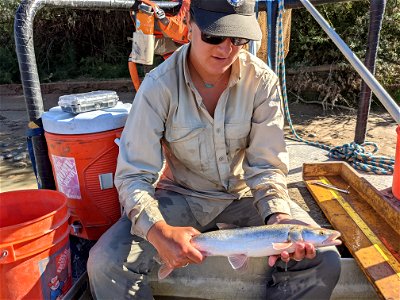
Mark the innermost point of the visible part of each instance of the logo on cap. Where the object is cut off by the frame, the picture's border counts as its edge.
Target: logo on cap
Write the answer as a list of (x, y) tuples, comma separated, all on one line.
[(235, 3)]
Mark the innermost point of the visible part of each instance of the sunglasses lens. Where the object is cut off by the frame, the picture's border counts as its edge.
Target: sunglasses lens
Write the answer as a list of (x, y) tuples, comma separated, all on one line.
[(210, 39), (216, 40), (239, 41)]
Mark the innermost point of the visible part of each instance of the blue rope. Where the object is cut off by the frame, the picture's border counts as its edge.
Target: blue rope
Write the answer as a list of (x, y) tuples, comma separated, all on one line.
[(353, 153), (357, 157)]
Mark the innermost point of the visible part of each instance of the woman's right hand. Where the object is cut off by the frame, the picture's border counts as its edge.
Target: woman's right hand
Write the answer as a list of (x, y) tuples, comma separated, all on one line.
[(173, 244)]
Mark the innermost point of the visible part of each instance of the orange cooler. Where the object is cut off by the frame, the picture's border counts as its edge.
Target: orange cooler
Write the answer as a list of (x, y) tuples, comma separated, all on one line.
[(83, 154)]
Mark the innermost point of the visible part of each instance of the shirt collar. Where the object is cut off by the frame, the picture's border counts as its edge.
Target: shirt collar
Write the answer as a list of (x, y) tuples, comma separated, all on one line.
[(186, 73), (236, 72)]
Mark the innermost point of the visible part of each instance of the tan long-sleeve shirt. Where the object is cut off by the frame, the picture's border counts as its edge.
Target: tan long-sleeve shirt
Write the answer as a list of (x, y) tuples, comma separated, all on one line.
[(213, 161)]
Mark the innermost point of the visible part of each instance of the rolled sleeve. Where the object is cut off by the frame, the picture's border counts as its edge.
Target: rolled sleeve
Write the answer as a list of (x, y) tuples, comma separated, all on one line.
[(271, 199), (147, 218), (272, 206)]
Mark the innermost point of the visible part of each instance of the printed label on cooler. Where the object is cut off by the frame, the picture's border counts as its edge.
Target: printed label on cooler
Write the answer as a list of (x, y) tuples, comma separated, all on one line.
[(67, 176), (55, 274)]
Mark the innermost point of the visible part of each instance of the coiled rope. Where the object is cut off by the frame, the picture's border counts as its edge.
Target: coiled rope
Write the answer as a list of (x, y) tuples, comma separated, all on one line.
[(355, 154)]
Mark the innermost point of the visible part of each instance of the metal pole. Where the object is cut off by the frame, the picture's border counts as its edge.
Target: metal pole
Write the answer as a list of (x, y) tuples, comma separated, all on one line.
[(366, 75), (377, 9), (293, 4), (272, 39)]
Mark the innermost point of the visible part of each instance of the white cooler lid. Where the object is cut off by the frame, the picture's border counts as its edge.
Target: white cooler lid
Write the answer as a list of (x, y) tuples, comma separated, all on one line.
[(57, 121)]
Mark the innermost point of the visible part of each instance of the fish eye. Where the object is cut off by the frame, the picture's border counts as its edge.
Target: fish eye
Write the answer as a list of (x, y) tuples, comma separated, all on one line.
[(321, 233)]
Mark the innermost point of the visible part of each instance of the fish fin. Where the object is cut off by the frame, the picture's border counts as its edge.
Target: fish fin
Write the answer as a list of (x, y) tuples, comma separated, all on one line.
[(238, 261), (281, 246), (157, 258), (164, 271), (226, 226), (244, 267)]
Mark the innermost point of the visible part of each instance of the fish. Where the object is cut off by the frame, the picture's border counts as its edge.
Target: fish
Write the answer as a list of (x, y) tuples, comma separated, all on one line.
[(238, 244)]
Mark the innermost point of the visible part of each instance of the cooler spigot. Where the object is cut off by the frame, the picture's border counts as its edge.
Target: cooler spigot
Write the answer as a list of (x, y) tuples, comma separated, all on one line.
[(76, 227)]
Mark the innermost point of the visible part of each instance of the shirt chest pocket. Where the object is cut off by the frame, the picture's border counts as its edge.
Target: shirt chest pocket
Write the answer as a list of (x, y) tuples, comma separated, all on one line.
[(189, 146), (236, 138)]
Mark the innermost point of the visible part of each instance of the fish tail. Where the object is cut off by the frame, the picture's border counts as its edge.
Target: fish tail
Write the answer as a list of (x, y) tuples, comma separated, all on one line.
[(164, 271)]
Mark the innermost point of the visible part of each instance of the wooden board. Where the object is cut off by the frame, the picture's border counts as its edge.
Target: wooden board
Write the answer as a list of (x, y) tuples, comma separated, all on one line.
[(369, 222)]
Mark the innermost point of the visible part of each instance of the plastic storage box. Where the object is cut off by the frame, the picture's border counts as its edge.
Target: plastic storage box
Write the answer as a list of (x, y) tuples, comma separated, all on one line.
[(79, 103)]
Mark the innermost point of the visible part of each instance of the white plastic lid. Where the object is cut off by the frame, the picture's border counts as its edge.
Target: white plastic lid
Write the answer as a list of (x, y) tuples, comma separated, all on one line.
[(57, 121)]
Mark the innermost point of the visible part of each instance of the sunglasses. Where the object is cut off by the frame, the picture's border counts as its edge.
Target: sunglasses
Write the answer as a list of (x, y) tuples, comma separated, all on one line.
[(216, 40)]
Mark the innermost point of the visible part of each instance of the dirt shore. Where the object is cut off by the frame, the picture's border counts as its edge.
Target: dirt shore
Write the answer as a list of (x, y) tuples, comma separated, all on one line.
[(333, 127)]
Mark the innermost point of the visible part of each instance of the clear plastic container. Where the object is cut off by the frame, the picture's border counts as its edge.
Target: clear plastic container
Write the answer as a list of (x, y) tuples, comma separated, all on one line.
[(79, 103)]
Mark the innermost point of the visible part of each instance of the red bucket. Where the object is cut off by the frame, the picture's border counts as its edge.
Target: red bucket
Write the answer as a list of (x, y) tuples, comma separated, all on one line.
[(396, 173), (35, 259)]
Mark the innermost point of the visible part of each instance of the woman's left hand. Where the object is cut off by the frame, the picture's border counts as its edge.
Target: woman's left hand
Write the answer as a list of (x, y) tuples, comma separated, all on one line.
[(302, 249)]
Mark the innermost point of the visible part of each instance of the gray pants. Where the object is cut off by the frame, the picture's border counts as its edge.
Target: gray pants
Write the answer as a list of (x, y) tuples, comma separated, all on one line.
[(119, 263)]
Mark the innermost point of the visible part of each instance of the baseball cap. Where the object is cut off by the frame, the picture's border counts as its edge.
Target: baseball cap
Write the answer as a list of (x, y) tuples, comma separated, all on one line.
[(228, 18)]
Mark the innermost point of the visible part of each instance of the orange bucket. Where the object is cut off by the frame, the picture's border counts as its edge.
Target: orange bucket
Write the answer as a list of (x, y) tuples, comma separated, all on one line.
[(35, 259), (84, 167), (396, 173)]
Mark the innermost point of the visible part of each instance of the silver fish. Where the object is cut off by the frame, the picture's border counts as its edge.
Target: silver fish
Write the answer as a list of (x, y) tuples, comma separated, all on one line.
[(238, 244)]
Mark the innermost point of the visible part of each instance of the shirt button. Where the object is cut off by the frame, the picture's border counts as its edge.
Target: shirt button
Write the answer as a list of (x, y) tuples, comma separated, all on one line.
[(218, 130), (220, 158)]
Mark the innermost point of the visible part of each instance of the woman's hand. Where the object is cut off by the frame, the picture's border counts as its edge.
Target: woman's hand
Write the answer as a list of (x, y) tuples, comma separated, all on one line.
[(302, 250), (173, 244)]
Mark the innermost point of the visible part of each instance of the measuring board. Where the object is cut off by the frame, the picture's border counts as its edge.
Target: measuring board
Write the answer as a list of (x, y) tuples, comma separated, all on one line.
[(369, 222)]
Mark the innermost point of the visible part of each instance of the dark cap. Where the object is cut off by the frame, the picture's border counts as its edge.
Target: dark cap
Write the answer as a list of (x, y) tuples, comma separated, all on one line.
[(230, 18)]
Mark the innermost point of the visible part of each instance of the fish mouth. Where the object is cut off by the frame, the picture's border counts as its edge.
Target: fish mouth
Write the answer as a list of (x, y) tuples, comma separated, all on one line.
[(333, 239)]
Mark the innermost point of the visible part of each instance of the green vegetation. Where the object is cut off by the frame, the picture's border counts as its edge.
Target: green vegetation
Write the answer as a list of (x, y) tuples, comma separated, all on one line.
[(8, 59), (82, 44), (311, 46), (69, 44)]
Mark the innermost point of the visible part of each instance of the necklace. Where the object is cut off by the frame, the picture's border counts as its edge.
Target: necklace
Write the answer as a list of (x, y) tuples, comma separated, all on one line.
[(209, 85)]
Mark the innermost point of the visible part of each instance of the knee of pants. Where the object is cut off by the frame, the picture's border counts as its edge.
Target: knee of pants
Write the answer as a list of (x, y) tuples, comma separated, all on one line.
[(330, 265), (98, 262), (102, 263)]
